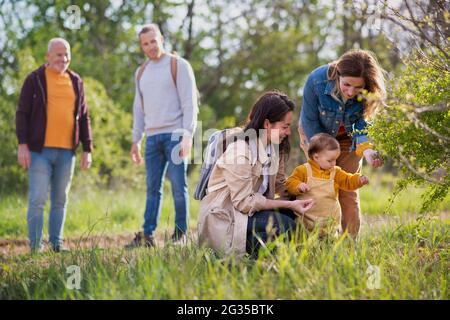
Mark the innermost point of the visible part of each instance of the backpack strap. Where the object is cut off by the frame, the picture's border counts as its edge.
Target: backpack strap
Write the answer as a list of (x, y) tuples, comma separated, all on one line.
[(223, 184), (141, 70), (173, 72), (138, 78)]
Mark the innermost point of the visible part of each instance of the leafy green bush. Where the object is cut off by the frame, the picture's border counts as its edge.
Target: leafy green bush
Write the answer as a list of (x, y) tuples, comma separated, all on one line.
[(414, 128), (111, 129), (12, 176)]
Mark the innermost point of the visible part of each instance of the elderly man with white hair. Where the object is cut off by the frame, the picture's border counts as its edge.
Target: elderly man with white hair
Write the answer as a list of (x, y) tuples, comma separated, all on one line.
[(51, 119)]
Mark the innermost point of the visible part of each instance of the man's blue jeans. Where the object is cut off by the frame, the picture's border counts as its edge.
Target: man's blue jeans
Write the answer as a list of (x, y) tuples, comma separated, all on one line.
[(51, 169), (161, 154)]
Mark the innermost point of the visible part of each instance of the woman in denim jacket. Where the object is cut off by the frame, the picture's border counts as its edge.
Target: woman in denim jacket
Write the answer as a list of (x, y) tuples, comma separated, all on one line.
[(332, 104)]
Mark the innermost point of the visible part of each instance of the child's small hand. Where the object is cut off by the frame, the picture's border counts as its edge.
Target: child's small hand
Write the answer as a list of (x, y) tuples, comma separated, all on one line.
[(363, 180), (303, 187)]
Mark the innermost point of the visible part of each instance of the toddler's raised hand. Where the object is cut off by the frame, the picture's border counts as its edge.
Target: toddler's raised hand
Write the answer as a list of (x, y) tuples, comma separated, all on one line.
[(363, 180)]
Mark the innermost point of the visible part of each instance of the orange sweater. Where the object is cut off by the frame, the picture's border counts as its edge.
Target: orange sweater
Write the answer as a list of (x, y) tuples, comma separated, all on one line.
[(342, 180), (60, 110)]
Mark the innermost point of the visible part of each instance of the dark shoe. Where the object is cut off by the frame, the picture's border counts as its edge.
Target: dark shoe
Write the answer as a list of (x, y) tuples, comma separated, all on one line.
[(141, 240), (60, 248), (179, 237)]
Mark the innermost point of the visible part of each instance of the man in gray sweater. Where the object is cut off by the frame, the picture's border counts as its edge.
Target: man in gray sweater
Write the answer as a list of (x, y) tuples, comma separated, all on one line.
[(165, 109)]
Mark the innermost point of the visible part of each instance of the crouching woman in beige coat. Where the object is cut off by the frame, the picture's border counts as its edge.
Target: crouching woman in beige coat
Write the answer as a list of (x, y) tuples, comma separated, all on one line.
[(239, 209)]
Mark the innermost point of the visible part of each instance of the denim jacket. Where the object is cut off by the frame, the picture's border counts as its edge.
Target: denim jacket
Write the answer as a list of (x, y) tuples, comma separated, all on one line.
[(322, 113)]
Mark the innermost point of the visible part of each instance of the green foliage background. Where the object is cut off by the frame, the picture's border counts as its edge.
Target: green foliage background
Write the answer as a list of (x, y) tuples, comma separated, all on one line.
[(421, 152), (236, 55)]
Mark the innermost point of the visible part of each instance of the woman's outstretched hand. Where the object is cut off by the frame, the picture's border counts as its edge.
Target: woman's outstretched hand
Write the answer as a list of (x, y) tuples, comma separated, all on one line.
[(373, 158), (301, 206)]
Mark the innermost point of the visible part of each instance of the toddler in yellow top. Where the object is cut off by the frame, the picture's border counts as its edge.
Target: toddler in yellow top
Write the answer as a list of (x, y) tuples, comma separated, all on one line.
[(320, 179)]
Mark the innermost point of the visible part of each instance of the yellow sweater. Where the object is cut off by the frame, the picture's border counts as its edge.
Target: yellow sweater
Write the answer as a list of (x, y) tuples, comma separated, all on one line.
[(60, 110), (342, 180)]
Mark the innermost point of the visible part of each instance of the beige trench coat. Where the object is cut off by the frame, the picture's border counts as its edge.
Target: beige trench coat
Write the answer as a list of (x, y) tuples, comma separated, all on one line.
[(223, 216)]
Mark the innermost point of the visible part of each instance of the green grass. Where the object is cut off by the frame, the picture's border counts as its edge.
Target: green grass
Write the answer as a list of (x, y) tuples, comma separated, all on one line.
[(413, 257), (93, 211), (118, 211), (375, 197), (413, 263)]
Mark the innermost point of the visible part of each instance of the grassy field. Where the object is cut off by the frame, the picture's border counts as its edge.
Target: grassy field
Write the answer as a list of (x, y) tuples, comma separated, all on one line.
[(412, 256), (412, 262), (112, 211)]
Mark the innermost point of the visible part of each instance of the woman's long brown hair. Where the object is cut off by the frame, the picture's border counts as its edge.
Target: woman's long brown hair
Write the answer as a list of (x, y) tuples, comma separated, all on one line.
[(361, 63), (273, 106)]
